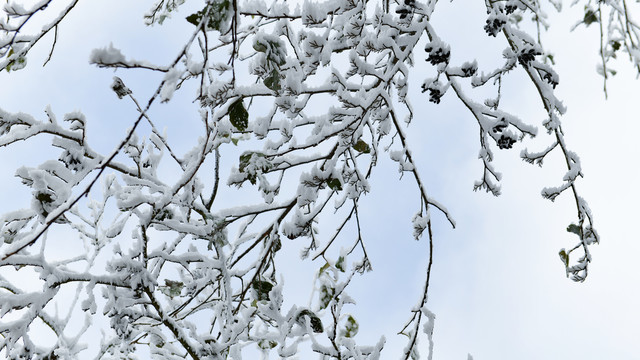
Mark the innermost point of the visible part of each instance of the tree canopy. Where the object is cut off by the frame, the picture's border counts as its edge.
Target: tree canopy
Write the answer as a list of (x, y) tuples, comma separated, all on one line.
[(173, 250)]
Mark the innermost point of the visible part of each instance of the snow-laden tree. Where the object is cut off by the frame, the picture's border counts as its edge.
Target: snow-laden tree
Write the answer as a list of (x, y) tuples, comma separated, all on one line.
[(306, 96)]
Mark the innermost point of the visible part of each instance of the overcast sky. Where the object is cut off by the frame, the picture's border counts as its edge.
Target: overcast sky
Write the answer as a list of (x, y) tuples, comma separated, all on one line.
[(498, 286)]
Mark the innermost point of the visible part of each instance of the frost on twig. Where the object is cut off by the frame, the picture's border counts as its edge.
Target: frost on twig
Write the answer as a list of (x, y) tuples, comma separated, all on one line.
[(311, 95)]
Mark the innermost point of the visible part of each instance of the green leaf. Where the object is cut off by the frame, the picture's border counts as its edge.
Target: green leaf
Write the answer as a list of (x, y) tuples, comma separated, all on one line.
[(516, 18), (590, 17), (316, 323), (259, 47), (8, 67), (351, 328), (262, 288), (273, 49), (362, 147), (615, 45), (550, 57), (326, 295), (245, 159), (172, 288), (276, 245), (564, 257), (340, 263), (266, 345), (216, 16), (249, 158), (195, 18), (334, 184), (273, 81), (276, 54), (218, 235), (238, 115), (323, 268), (16, 64), (573, 228)]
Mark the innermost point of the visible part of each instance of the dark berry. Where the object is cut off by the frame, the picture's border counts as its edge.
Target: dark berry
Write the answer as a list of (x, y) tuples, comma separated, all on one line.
[(494, 26), (498, 128), (435, 95), (469, 69), (437, 54), (505, 142), (403, 11), (527, 55), (552, 80), (435, 91)]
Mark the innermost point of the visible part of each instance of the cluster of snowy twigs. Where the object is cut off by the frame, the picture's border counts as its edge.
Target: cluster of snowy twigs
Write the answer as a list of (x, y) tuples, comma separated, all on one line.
[(198, 279)]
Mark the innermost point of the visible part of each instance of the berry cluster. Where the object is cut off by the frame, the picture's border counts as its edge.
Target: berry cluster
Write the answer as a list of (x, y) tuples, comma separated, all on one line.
[(527, 55), (437, 53), (551, 79), (434, 95), (499, 127), (435, 91), (510, 8), (494, 25), (505, 142), (405, 10), (469, 69)]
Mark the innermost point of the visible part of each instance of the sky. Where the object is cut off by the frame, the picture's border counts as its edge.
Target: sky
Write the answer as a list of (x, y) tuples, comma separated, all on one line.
[(498, 287)]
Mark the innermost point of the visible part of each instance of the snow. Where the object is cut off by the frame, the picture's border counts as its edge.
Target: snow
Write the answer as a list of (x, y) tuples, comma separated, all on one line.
[(346, 76), (170, 84), (106, 55)]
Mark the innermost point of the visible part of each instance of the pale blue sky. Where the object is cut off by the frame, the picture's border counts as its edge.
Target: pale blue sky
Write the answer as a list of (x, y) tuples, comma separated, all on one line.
[(498, 287)]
